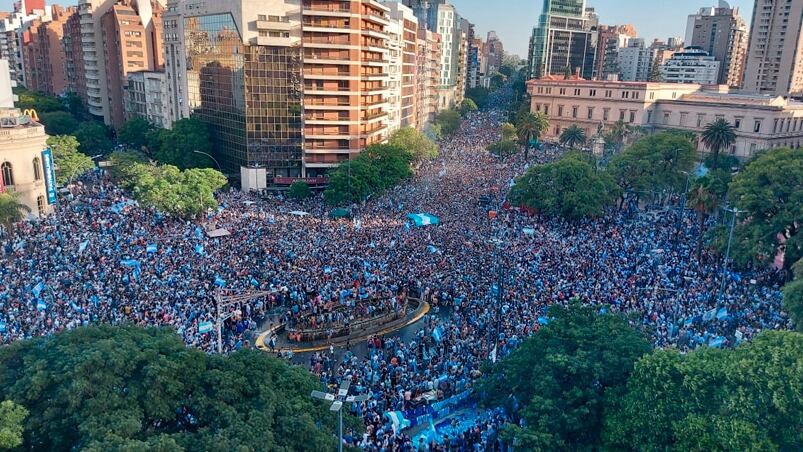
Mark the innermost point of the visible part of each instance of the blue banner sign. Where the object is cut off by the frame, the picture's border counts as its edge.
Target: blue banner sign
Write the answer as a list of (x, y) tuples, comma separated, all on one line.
[(50, 176)]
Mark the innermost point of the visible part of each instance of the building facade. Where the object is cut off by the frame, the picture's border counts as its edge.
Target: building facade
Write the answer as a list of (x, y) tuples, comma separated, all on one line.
[(146, 97), (775, 51), (634, 61), (692, 65), (564, 40), (723, 34), (12, 26), (610, 39), (402, 36), (26, 165), (761, 122), (44, 59)]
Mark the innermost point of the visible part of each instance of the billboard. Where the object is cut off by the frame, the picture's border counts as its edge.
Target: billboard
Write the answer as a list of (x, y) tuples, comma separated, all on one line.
[(50, 176)]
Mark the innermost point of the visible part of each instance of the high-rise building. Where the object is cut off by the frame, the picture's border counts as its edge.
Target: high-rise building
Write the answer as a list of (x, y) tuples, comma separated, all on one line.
[(146, 97), (107, 29), (12, 27), (692, 65), (775, 52), (402, 32), (494, 52), (132, 42), (723, 34), (563, 40), (429, 70), (634, 61), (609, 40), (74, 56), (44, 59)]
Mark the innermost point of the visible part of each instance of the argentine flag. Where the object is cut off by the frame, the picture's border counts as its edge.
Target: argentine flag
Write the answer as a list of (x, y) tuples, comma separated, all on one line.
[(82, 246), (219, 281), (423, 219), (199, 249), (397, 420), (37, 289), (151, 248), (204, 327), (2, 327), (437, 335), (41, 305), (722, 314)]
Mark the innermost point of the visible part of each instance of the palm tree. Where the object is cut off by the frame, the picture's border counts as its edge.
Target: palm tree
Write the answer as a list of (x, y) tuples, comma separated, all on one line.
[(530, 128), (573, 136), (705, 202), (11, 211), (717, 136)]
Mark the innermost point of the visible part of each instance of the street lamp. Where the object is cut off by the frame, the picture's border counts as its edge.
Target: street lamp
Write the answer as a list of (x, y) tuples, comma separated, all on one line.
[(338, 399), (211, 157)]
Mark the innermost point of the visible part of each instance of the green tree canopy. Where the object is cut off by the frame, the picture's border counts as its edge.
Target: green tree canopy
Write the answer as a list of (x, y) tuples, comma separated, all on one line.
[(479, 95), (654, 163), (449, 121), (42, 103), (770, 192), (68, 161), (503, 149), (717, 136), (530, 127), (122, 166), (573, 136), (94, 138), (467, 106), (11, 417), (58, 123), (417, 144), (748, 398), (563, 377), (11, 211), (378, 168), (135, 132), (177, 146), (793, 301), (299, 190), (508, 131), (570, 188), (104, 388), (186, 194)]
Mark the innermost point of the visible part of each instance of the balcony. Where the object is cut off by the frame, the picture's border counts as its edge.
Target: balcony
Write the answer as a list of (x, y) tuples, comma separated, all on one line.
[(326, 10)]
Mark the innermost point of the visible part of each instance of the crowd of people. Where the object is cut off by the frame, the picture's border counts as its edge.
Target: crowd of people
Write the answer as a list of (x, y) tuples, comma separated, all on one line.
[(101, 258)]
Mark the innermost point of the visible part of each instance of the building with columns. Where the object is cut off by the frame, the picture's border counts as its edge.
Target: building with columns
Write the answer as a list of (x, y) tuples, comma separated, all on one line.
[(761, 122)]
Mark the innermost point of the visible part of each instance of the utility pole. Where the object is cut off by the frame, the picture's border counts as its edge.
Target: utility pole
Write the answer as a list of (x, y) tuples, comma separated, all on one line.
[(735, 213), (338, 399)]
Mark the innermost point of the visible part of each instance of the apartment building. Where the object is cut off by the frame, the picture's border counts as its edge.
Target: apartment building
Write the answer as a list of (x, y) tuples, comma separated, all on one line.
[(610, 38), (761, 122), (146, 97), (775, 50), (12, 25), (44, 60), (74, 56), (692, 65), (723, 34), (402, 67), (634, 61), (427, 76)]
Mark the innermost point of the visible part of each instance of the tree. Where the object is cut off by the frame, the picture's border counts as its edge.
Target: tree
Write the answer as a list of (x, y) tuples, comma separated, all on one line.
[(299, 190), (509, 132), (479, 95), (769, 190), (573, 136), (725, 162), (567, 73), (449, 121), (621, 133), (178, 146), (392, 164), (58, 123), (135, 132), (418, 145), (467, 106), (570, 188), (102, 388), (655, 72), (68, 161), (654, 163), (564, 377), (75, 105), (122, 166), (40, 102), (352, 182), (11, 418), (503, 149), (717, 136), (529, 127), (185, 194), (11, 211), (94, 138), (793, 301), (704, 202), (747, 398)]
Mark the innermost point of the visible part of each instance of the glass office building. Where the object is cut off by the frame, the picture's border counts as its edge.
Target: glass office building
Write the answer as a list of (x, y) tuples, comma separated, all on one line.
[(562, 39)]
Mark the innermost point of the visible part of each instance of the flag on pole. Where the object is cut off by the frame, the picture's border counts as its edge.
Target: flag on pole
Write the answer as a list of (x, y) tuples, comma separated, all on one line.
[(2, 327), (205, 327), (41, 305)]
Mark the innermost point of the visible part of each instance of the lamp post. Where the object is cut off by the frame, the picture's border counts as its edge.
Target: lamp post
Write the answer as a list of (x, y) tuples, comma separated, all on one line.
[(735, 213), (338, 399), (211, 157)]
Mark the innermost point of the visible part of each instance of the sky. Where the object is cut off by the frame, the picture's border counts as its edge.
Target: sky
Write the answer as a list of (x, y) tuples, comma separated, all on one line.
[(513, 20)]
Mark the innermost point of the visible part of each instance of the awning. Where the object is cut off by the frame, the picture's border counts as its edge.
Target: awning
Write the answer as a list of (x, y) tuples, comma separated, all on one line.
[(218, 233)]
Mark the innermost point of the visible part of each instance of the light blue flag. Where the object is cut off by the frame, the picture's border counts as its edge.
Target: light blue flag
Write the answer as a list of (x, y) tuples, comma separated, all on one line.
[(432, 249), (423, 219), (41, 305), (397, 420), (76, 308), (37, 289), (82, 246), (199, 233), (219, 281), (129, 263), (205, 327), (722, 314), (716, 342), (436, 334), (543, 320), (199, 249), (152, 248), (2, 327), (254, 282)]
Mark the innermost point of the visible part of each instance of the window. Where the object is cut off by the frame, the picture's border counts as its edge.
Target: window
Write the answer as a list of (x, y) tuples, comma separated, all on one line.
[(666, 117), (592, 93), (700, 119), (577, 91), (625, 94), (632, 116), (608, 93), (757, 126), (560, 110), (683, 117), (621, 115), (563, 91), (652, 96), (8, 174), (574, 112), (546, 109), (590, 112), (262, 17), (41, 205), (37, 169), (606, 113), (737, 123)]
